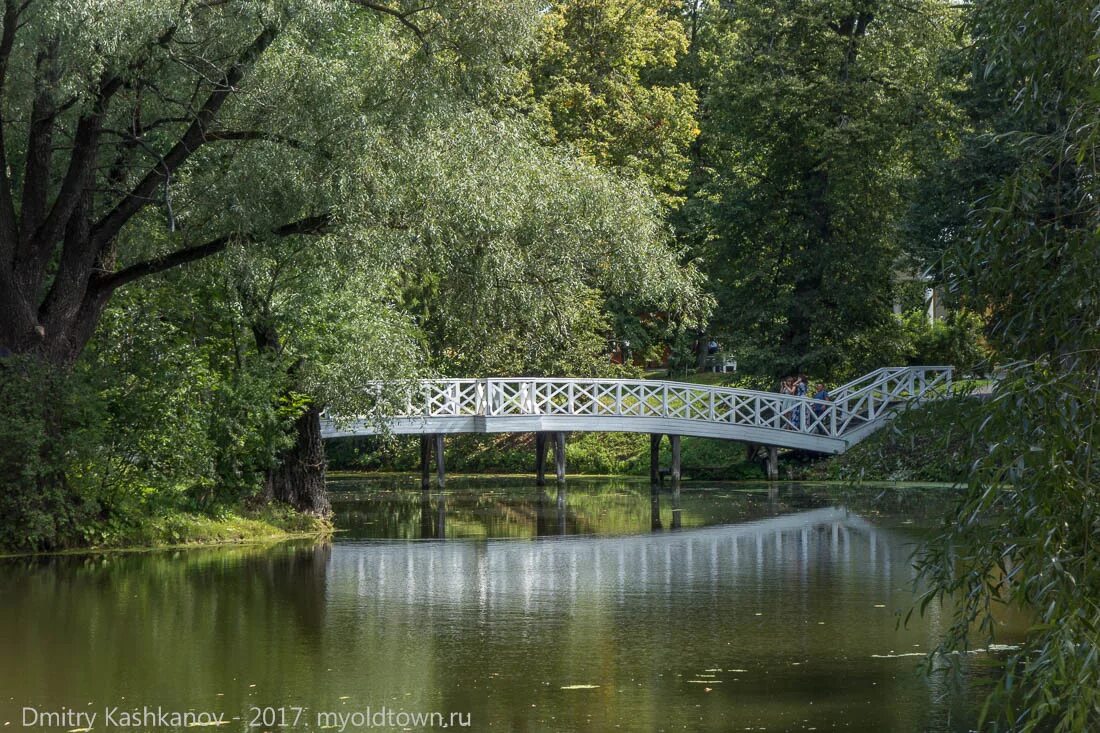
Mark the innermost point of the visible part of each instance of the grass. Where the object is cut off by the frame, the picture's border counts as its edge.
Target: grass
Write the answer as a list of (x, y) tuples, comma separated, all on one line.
[(179, 529), (273, 522)]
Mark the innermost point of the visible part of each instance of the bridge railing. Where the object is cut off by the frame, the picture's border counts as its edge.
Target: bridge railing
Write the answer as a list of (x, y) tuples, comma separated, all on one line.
[(885, 391), (851, 406)]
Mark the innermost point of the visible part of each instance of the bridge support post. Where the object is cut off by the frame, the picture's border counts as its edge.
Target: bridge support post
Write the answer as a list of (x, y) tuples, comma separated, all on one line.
[(440, 473), (540, 459), (425, 461), (655, 459), (773, 463), (674, 442), (559, 455)]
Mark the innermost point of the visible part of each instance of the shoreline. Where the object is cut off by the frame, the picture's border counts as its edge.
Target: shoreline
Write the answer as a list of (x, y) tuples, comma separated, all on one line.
[(185, 531)]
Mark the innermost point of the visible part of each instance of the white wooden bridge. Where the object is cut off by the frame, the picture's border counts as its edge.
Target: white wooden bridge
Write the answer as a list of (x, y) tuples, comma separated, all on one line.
[(551, 406)]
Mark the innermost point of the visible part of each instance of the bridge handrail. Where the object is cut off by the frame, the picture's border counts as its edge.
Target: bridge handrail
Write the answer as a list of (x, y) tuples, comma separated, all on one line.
[(862, 382), (877, 392)]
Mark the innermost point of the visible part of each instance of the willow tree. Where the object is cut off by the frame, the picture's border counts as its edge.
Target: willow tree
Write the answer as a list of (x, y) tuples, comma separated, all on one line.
[(330, 149), (110, 114), (1026, 534), (516, 248)]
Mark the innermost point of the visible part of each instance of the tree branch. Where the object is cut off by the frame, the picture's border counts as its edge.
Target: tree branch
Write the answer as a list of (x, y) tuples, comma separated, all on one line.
[(36, 175), (402, 17), (193, 138), (271, 137), (106, 283)]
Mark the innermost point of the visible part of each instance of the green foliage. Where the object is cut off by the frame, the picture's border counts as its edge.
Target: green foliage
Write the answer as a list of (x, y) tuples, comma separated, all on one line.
[(957, 340), (1027, 531), (816, 113), (929, 444), (602, 83), (516, 249), (44, 421), (361, 163)]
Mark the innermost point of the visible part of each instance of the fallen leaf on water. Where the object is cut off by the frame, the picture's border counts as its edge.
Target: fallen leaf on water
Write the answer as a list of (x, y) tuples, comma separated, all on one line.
[(345, 697)]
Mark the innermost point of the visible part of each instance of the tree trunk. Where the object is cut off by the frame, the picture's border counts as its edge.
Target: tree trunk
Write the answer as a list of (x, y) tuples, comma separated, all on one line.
[(299, 479)]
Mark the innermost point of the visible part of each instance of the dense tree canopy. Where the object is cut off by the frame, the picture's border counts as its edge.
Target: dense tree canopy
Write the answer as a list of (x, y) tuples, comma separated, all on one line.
[(339, 156), (603, 82), (813, 117)]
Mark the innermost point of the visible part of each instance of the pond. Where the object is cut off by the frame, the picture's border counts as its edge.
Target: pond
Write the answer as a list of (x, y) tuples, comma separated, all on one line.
[(502, 606)]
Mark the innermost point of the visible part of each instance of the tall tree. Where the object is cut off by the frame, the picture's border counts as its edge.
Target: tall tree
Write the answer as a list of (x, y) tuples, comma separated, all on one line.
[(108, 117), (812, 113), (290, 136), (603, 81)]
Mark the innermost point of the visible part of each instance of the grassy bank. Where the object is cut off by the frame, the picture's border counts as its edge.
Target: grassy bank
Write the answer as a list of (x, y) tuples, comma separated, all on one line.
[(239, 525)]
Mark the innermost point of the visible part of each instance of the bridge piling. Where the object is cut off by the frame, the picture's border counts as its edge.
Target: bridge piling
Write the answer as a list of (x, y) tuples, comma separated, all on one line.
[(540, 459), (655, 459), (427, 442), (425, 460), (773, 463), (440, 473), (559, 455), (674, 442)]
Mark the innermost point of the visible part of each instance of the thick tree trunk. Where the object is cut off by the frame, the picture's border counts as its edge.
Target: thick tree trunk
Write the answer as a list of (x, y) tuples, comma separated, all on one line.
[(299, 480)]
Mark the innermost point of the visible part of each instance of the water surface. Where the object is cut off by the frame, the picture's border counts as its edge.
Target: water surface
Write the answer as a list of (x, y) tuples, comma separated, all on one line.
[(597, 606)]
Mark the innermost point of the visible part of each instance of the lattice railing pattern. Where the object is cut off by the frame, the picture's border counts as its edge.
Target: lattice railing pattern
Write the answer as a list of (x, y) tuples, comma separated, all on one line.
[(852, 405)]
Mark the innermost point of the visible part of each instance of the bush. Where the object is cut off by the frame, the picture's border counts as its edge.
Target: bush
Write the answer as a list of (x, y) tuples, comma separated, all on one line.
[(46, 428)]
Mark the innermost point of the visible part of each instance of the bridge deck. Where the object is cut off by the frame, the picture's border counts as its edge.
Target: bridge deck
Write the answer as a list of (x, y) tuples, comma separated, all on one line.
[(856, 409)]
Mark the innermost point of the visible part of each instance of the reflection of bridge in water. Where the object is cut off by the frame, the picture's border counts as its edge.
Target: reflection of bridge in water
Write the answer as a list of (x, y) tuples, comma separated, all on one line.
[(552, 407), (516, 573)]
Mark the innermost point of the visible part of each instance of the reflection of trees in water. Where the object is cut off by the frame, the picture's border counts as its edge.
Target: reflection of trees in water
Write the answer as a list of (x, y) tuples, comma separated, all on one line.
[(518, 508), (125, 616), (297, 579)]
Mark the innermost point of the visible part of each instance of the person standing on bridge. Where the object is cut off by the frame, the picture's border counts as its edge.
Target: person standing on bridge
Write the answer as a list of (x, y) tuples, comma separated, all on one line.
[(787, 388), (801, 386), (822, 394)]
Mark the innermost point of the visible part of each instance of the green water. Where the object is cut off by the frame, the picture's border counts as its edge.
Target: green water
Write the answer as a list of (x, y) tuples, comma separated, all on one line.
[(591, 608)]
